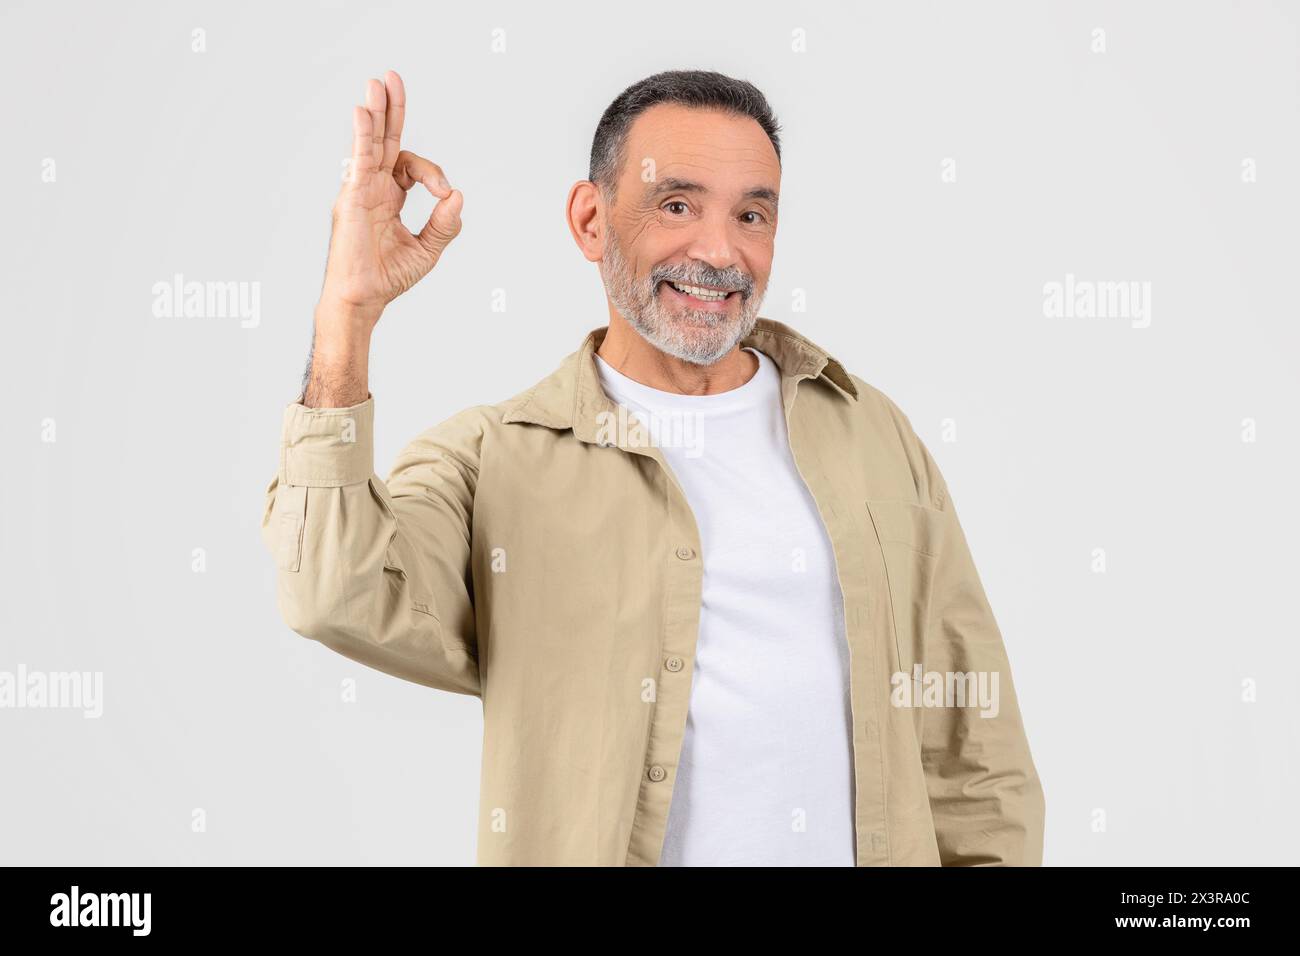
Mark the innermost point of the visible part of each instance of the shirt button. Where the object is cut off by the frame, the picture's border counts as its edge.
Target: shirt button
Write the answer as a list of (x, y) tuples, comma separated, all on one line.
[(685, 553), (656, 773), (674, 664)]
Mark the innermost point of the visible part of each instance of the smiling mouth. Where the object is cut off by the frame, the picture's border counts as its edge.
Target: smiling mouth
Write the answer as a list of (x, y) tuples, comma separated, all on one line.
[(703, 293)]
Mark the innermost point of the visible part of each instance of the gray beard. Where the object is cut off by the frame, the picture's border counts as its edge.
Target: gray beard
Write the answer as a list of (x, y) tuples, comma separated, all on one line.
[(695, 335)]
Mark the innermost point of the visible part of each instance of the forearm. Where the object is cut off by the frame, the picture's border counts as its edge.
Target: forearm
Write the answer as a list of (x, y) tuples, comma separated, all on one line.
[(338, 369)]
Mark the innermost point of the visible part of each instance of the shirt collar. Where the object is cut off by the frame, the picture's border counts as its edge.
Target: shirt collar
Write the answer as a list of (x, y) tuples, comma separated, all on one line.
[(571, 396)]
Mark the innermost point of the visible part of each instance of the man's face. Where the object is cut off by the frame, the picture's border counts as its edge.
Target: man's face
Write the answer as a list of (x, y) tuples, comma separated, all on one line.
[(689, 238)]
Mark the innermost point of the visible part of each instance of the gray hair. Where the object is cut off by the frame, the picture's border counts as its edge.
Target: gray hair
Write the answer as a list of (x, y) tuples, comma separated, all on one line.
[(697, 88)]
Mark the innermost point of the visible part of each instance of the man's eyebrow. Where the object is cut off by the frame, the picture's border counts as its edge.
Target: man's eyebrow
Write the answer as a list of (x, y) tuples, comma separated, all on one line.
[(671, 184), (762, 192)]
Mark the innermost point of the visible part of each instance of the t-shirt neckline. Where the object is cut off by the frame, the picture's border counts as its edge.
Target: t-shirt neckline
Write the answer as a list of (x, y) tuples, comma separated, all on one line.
[(745, 394)]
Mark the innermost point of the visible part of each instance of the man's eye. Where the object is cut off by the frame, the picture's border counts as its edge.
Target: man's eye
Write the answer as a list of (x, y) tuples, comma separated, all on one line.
[(758, 218), (676, 202)]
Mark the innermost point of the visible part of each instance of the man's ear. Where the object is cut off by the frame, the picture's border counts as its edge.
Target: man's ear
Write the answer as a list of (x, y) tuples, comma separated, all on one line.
[(584, 211)]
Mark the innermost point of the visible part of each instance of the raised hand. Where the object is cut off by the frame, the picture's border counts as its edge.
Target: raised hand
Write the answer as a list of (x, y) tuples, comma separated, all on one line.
[(373, 258)]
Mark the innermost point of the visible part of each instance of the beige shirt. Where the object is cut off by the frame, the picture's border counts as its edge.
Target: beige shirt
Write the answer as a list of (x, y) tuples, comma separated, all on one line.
[(539, 554)]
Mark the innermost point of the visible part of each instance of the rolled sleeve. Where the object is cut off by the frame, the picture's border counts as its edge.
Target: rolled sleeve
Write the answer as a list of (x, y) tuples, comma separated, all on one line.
[(327, 447)]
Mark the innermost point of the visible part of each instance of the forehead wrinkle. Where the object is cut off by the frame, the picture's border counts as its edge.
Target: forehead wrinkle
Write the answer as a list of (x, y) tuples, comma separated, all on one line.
[(690, 146), (691, 165), (705, 155), (707, 159)]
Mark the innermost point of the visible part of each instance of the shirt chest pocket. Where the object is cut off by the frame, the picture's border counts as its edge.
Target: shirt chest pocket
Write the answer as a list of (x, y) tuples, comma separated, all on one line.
[(910, 538)]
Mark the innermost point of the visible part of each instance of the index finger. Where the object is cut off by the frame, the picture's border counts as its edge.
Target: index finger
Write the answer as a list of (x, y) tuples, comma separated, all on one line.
[(393, 119)]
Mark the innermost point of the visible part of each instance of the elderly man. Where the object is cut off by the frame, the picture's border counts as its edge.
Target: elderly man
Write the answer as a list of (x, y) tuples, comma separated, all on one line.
[(709, 586)]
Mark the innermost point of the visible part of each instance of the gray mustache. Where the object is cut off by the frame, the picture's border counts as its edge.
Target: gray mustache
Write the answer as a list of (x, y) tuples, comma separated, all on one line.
[(719, 279)]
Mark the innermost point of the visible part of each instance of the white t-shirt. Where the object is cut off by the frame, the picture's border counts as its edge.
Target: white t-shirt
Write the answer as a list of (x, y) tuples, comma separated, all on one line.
[(765, 776)]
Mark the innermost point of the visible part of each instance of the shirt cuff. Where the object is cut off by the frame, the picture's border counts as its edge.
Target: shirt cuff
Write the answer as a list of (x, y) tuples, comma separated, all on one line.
[(327, 447)]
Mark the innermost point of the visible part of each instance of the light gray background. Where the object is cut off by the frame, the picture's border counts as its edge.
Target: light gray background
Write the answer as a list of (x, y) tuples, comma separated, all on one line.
[(1072, 434)]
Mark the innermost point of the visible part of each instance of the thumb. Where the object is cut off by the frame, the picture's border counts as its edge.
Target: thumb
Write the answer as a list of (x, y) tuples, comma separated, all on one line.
[(443, 225)]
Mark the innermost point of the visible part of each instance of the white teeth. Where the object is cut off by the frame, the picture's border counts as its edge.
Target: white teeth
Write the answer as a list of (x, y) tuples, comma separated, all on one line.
[(708, 295)]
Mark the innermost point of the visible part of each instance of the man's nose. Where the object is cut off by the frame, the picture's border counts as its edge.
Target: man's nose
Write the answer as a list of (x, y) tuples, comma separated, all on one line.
[(711, 243)]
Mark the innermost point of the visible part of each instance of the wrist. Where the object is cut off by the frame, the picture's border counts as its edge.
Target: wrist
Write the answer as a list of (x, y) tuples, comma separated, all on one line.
[(343, 324)]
